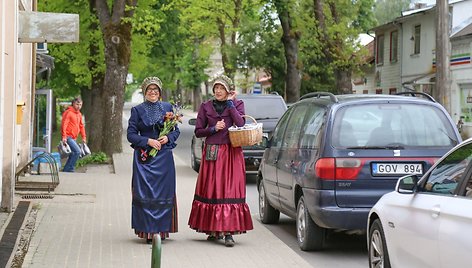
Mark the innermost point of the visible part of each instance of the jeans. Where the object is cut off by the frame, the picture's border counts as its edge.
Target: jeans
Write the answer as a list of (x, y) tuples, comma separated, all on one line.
[(73, 157)]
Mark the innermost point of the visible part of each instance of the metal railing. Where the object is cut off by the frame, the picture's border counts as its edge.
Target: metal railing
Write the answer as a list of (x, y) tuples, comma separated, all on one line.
[(39, 185)]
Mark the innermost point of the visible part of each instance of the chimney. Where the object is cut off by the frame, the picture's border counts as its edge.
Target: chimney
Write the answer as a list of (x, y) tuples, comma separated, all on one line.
[(420, 5)]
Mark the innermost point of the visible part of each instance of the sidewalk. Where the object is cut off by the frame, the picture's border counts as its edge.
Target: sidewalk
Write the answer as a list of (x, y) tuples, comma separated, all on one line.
[(87, 224)]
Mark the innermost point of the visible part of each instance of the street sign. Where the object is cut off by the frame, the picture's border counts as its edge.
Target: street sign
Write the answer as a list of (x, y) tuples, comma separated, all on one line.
[(257, 89)]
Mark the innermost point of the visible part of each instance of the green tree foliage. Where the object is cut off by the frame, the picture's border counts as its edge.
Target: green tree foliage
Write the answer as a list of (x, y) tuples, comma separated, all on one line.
[(97, 66), (217, 22), (387, 10), (291, 35), (72, 71), (161, 51), (176, 40), (330, 46), (259, 46)]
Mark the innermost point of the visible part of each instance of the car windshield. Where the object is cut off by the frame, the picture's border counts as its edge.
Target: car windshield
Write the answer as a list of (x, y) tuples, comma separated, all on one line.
[(392, 126), (264, 108)]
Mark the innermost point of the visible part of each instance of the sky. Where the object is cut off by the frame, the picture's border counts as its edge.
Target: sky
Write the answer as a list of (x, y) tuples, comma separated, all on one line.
[(364, 39)]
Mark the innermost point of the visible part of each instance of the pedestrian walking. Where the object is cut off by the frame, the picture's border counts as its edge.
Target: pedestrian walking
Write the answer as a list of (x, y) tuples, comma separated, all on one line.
[(154, 202), (72, 124), (219, 208)]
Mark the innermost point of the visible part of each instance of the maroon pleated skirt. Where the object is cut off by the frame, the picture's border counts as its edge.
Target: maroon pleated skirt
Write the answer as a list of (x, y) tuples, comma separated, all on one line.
[(219, 203)]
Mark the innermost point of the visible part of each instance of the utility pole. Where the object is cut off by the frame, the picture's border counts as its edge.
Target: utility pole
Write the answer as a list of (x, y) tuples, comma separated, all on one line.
[(442, 91)]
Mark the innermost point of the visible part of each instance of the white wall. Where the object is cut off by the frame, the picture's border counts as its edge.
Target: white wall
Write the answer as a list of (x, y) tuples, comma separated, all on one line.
[(418, 65), (461, 12), (461, 76)]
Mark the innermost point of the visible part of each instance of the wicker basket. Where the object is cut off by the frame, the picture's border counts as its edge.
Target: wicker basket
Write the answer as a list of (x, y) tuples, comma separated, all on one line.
[(247, 135)]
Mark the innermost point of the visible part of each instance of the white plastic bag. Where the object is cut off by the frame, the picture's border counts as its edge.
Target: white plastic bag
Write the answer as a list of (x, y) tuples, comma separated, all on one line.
[(84, 149), (64, 149)]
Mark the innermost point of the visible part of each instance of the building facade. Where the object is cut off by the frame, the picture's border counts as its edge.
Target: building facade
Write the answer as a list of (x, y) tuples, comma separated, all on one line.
[(405, 57), (21, 29), (17, 81)]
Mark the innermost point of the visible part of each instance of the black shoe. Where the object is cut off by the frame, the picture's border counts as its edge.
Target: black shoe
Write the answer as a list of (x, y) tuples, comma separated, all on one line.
[(149, 241), (229, 241), (214, 238)]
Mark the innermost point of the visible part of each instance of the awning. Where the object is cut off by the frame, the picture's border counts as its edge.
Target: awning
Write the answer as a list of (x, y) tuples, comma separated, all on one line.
[(421, 80), (44, 61), (465, 28), (44, 66)]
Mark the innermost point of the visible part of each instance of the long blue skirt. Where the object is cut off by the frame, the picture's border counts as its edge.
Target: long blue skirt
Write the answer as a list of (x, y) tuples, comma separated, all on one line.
[(154, 205)]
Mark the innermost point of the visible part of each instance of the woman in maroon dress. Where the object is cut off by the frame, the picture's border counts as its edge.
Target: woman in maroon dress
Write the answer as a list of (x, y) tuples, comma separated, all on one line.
[(219, 208)]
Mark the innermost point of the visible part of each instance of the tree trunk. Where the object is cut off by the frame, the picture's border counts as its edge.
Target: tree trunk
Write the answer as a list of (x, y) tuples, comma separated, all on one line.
[(342, 74), (224, 49), (93, 116), (227, 60), (343, 81), (290, 41), (197, 98), (92, 98), (116, 36), (117, 55), (322, 31)]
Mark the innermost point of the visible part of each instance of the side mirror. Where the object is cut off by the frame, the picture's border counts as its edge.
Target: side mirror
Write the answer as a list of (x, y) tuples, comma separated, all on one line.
[(192, 121), (264, 141), (407, 184)]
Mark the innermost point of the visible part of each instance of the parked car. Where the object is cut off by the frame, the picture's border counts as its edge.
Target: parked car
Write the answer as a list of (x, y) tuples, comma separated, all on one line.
[(265, 109), (426, 222), (331, 158)]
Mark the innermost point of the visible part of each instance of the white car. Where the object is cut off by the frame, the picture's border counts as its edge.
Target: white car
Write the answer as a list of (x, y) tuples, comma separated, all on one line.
[(427, 221)]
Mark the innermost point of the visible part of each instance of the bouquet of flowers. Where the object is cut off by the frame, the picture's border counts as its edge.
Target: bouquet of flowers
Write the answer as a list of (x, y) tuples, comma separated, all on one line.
[(171, 119)]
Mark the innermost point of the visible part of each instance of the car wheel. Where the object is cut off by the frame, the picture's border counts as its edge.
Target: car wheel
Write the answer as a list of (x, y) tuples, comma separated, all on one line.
[(310, 236), (267, 213), (193, 160), (378, 253)]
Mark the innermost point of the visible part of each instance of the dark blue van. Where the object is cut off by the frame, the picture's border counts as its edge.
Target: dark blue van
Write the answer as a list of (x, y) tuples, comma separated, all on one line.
[(331, 157)]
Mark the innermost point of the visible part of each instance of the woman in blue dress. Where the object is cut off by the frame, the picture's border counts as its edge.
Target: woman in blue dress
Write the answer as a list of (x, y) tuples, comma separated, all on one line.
[(154, 205)]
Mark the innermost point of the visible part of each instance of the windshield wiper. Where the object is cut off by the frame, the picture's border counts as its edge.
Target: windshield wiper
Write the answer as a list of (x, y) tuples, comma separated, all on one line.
[(450, 138), (387, 147), (264, 118)]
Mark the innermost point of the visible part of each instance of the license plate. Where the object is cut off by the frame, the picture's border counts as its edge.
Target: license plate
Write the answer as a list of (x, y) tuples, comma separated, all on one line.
[(396, 168)]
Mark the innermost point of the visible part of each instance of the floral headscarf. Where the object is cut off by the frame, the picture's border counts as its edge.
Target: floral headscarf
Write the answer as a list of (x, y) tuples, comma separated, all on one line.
[(149, 81), (225, 81)]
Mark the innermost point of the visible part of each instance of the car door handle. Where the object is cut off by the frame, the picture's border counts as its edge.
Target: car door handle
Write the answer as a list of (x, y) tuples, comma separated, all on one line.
[(435, 211)]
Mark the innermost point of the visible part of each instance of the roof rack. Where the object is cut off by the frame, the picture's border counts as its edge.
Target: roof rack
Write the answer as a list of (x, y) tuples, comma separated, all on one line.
[(318, 95), (414, 93)]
